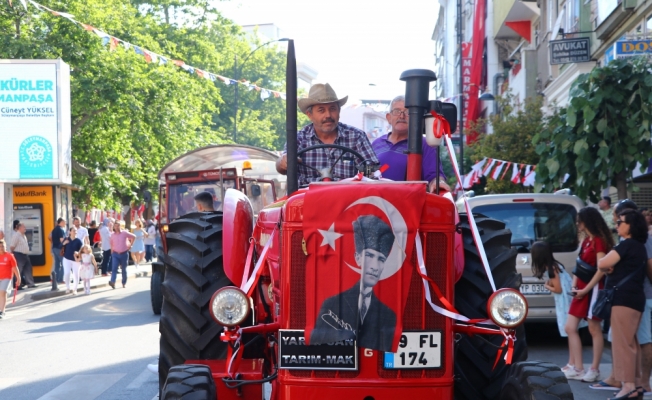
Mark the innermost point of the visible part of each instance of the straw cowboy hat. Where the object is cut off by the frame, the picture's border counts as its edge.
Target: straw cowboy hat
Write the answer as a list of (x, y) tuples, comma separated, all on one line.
[(321, 93)]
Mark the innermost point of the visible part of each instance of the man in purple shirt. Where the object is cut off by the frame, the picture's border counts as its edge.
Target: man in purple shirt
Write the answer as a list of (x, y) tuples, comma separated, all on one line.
[(391, 149), (323, 108)]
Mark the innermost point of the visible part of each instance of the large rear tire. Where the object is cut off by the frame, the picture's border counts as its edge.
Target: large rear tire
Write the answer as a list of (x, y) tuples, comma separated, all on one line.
[(194, 271), (189, 382), (475, 375), (156, 292), (536, 380)]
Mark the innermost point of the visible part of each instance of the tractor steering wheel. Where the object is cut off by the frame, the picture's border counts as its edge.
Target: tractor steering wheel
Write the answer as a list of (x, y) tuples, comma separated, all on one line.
[(330, 146)]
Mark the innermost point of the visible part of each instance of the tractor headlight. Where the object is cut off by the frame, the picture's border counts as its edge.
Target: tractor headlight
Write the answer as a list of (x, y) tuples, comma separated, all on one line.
[(507, 308), (229, 306)]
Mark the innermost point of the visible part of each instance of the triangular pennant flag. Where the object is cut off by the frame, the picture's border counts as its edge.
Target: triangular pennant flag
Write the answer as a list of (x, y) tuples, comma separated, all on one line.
[(527, 172), (62, 14), (23, 2), (264, 94), (162, 60), (212, 77), (225, 80), (506, 169), (88, 27), (283, 96), (487, 169), (199, 73), (516, 178), (178, 63), (105, 40), (277, 94), (257, 88), (232, 81), (153, 56), (138, 50), (148, 57), (251, 87), (126, 45), (530, 178), (114, 44), (497, 170)]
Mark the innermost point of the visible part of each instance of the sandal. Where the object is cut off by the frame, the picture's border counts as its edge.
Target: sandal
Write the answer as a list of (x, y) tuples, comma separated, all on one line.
[(602, 385), (639, 395)]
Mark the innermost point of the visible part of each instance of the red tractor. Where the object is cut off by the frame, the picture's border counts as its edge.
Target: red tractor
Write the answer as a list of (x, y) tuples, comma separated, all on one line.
[(370, 306), (213, 169)]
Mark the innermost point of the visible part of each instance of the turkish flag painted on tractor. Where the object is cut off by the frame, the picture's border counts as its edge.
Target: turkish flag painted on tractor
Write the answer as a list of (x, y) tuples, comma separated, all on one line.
[(359, 242)]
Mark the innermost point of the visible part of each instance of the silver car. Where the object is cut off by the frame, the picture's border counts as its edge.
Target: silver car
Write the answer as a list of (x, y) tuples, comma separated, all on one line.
[(532, 217)]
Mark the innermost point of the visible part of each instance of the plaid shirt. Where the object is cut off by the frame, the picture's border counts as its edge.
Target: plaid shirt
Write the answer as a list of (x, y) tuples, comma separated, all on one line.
[(347, 136)]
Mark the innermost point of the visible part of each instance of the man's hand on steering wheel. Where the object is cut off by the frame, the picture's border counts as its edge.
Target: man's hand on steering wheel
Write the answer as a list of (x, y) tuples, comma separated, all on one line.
[(344, 150)]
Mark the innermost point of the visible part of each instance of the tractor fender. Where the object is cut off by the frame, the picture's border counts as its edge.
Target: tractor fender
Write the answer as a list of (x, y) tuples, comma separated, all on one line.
[(237, 225)]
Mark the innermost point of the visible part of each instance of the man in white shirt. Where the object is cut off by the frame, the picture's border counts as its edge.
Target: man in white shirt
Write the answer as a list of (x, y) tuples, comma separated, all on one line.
[(105, 236), (149, 241), (82, 233)]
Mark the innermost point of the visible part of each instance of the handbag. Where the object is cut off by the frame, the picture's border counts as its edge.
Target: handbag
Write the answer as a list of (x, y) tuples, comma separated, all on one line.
[(602, 306), (584, 271)]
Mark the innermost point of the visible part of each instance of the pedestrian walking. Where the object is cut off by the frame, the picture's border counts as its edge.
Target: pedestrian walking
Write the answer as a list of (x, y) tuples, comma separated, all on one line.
[(56, 238), (138, 247), (71, 247), (8, 268), (150, 241), (92, 230), (559, 282), (82, 233), (19, 246), (587, 280), (88, 267), (105, 239), (121, 242), (625, 266)]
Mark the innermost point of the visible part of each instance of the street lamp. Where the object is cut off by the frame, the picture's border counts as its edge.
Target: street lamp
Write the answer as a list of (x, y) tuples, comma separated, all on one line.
[(236, 73)]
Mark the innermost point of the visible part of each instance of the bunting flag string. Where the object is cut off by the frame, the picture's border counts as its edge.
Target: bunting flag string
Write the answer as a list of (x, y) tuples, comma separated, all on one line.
[(491, 168), (152, 57)]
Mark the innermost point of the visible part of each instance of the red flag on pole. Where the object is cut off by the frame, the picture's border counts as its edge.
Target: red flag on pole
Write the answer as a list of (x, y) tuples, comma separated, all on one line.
[(359, 267)]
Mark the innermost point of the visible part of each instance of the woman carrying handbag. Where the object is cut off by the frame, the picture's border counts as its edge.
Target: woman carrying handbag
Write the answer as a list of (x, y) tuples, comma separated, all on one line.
[(625, 268)]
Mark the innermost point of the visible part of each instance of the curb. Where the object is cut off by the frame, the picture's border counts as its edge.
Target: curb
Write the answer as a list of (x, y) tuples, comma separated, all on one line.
[(62, 292)]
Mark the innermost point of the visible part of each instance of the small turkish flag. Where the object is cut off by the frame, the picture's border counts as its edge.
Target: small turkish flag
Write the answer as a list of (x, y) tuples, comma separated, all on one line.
[(359, 240)]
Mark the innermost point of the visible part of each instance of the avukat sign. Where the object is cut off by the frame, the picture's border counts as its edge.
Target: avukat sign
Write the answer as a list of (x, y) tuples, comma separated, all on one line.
[(359, 242)]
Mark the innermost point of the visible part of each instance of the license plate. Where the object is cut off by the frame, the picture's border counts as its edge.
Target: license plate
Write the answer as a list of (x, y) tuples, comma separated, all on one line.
[(416, 350), (534, 288)]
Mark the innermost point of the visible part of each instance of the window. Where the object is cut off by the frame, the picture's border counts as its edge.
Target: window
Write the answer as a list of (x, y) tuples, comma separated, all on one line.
[(531, 222), (572, 16)]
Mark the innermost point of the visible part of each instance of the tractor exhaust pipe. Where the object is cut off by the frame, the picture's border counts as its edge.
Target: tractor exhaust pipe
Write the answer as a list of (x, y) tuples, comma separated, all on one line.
[(291, 119), (417, 86)]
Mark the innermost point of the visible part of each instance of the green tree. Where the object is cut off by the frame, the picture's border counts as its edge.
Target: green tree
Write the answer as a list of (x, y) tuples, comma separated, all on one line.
[(602, 134), (511, 140), (129, 118)]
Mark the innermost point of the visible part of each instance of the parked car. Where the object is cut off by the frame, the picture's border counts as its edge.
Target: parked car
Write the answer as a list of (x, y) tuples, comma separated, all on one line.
[(532, 217)]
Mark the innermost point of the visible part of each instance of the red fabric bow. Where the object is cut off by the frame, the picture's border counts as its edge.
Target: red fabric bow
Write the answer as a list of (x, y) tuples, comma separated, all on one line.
[(440, 125)]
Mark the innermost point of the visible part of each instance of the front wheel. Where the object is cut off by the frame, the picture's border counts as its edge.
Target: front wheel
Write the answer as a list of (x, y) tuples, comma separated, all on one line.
[(189, 382), (536, 380)]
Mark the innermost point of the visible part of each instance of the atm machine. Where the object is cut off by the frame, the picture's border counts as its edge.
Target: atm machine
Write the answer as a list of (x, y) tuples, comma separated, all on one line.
[(32, 216)]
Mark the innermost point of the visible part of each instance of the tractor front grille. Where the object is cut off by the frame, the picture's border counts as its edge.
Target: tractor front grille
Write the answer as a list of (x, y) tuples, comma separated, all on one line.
[(418, 314)]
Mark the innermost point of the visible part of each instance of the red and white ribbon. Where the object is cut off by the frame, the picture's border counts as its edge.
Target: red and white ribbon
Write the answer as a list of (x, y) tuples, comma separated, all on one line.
[(248, 286), (474, 228)]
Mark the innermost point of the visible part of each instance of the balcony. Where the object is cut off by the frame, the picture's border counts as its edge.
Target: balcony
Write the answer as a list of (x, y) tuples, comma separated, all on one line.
[(509, 11)]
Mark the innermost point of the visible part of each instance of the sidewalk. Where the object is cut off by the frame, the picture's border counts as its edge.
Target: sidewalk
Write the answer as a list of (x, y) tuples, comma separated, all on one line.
[(43, 290)]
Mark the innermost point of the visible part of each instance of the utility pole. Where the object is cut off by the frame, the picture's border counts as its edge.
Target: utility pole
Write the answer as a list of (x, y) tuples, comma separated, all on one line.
[(236, 74)]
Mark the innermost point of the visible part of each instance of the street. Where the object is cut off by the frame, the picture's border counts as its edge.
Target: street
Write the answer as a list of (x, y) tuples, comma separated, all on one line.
[(81, 347), (98, 347)]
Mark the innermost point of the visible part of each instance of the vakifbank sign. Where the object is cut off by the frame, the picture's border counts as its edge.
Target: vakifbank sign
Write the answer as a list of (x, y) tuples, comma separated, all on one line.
[(35, 121)]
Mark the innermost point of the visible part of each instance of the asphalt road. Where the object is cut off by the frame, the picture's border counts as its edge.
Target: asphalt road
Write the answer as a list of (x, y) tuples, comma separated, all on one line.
[(81, 347), (98, 347)]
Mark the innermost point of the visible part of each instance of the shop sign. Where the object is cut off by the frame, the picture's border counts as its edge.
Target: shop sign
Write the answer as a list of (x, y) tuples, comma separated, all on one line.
[(35, 121), (568, 51), (631, 48)]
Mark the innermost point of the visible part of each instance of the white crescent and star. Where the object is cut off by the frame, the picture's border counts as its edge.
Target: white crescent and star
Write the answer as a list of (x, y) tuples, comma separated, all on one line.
[(397, 223), (330, 236)]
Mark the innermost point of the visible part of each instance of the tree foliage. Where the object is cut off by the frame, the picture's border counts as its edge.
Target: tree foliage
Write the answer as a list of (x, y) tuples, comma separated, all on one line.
[(511, 140), (129, 118), (602, 134)]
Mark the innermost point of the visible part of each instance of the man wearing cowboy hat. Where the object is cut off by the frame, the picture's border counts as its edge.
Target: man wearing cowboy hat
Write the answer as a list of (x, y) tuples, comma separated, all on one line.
[(392, 148), (358, 313), (323, 108)]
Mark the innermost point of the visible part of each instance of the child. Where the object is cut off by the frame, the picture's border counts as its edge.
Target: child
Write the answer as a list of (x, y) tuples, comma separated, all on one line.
[(559, 283), (88, 267)]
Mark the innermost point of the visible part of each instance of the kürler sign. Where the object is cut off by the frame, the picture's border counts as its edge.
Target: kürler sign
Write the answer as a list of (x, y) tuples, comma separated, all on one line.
[(568, 51)]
